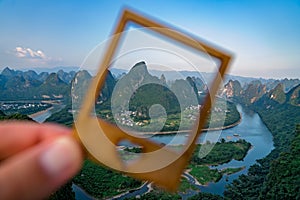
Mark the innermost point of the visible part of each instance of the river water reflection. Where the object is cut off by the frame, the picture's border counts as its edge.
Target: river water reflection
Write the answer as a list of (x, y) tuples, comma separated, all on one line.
[(253, 130)]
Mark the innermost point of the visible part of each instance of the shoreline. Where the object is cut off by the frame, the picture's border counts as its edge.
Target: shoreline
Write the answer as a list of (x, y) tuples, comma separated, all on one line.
[(40, 112), (146, 183), (187, 171), (187, 131)]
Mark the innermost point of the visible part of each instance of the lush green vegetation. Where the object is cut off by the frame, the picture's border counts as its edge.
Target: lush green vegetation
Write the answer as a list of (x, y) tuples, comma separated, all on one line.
[(15, 116), (62, 117), (103, 183), (185, 185), (247, 186), (222, 152), (21, 87), (158, 194), (275, 175), (172, 122), (232, 114), (269, 178), (205, 196), (151, 94), (224, 113), (281, 120), (229, 171), (155, 104), (283, 180), (204, 174)]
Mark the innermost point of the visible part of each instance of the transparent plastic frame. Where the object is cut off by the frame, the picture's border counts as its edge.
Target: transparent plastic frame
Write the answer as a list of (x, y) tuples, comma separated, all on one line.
[(157, 163)]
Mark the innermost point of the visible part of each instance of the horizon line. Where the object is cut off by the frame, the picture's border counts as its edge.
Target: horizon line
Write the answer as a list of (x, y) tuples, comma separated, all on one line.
[(39, 70)]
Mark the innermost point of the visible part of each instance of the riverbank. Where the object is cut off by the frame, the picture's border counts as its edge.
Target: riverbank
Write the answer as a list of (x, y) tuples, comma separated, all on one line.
[(260, 138), (41, 116), (145, 188), (187, 131), (34, 115), (188, 175)]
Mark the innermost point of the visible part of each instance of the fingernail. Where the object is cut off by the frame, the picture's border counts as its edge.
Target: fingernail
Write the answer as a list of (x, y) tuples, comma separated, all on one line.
[(59, 156)]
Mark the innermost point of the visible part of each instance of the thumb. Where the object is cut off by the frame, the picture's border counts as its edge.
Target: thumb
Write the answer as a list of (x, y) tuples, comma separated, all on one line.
[(39, 170)]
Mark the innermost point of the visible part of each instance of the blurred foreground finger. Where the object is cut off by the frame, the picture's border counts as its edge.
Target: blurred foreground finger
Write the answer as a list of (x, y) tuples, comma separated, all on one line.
[(18, 136), (39, 170)]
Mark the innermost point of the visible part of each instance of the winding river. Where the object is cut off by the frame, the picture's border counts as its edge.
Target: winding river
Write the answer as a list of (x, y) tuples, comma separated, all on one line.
[(251, 128)]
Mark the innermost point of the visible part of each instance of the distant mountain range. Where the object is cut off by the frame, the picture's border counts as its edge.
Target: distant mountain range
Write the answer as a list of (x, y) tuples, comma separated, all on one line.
[(30, 85), (140, 90), (257, 92), (52, 69), (207, 77)]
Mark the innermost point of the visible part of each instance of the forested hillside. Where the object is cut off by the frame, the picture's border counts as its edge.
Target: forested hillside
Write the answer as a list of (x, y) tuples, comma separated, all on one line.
[(16, 116), (275, 175)]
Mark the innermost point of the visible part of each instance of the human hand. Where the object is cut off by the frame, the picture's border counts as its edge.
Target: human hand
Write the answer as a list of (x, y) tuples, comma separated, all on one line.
[(35, 159)]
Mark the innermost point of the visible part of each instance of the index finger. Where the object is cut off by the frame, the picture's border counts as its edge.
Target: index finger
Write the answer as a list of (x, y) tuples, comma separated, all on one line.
[(17, 136)]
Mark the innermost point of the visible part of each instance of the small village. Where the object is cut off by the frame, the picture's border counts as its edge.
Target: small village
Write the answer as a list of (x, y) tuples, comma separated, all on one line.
[(12, 106), (126, 117)]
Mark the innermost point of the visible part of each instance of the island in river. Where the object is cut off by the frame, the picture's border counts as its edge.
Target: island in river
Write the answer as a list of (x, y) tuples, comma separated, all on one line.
[(103, 183)]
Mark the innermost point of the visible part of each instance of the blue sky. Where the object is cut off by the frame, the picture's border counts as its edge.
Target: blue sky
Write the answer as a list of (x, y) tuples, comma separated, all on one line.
[(264, 36)]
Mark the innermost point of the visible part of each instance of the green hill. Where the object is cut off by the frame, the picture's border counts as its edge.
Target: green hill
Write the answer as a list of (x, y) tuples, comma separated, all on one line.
[(293, 96), (282, 182), (28, 85), (53, 87), (142, 90), (275, 177), (277, 94), (16, 116)]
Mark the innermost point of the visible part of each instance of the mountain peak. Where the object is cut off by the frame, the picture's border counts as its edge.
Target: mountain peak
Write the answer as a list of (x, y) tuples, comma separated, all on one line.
[(294, 95), (82, 75), (53, 79), (277, 94), (140, 68), (139, 63), (232, 89), (7, 71)]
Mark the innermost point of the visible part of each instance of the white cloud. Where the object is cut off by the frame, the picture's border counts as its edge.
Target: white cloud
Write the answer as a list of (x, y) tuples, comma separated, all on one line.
[(29, 53), (28, 56)]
